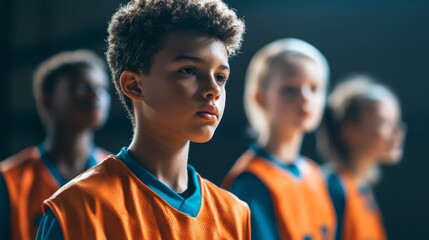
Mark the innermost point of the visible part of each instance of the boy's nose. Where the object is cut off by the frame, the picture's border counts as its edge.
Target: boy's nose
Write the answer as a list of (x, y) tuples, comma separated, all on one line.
[(211, 89), (304, 94), (400, 128)]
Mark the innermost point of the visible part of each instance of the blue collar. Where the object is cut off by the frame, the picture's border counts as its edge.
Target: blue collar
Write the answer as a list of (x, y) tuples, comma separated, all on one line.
[(50, 164), (189, 206), (291, 168)]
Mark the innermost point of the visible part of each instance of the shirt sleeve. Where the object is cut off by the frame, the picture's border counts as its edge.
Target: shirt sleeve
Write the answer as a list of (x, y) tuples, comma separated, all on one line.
[(250, 189), (338, 196), (5, 227), (49, 228)]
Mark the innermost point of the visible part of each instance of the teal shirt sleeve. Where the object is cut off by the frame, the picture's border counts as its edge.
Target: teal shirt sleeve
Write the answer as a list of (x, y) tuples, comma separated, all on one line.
[(338, 197), (250, 189), (5, 226), (49, 228)]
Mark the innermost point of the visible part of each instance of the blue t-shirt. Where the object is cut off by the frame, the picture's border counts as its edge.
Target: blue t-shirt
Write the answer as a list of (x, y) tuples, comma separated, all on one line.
[(188, 202), (5, 227), (337, 193), (252, 190)]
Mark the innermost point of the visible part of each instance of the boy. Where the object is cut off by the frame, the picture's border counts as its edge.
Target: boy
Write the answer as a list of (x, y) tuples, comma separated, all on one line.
[(169, 61), (72, 99), (361, 130)]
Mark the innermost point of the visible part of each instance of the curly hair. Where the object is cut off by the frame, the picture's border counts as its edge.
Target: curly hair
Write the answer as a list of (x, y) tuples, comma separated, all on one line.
[(64, 63), (137, 31)]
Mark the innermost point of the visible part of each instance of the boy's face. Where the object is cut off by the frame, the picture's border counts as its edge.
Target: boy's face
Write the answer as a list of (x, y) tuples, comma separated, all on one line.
[(379, 134), (295, 95), (80, 100), (184, 93)]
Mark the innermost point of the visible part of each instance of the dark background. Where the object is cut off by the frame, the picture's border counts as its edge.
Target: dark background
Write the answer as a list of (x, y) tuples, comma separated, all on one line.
[(386, 38)]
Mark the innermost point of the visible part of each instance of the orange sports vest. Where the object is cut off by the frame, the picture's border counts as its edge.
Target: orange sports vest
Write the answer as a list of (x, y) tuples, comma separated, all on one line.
[(302, 206), (29, 183), (359, 222), (110, 202)]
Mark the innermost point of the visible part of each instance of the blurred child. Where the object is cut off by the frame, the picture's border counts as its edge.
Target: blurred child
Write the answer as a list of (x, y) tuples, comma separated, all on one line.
[(169, 61), (362, 128), (284, 99), (71, 92)]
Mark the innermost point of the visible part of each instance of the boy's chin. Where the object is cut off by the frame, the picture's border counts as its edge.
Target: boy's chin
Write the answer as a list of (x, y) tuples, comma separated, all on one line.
[(393, 158), (200, 141), (307, 128), (202, 138)]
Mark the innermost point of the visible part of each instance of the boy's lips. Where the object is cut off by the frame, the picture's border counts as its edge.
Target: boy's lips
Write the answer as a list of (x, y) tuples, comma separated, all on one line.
[(303, 113), (209, 112)]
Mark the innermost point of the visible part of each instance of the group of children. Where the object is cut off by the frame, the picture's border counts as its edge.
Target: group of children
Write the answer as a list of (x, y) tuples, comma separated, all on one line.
[(169, 64), (291, 197)]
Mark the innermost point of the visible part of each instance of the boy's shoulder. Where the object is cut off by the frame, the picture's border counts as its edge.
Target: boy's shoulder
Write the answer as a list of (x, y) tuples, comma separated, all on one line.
[(240, 166), (307, 164), (103, 174), (23, 159)]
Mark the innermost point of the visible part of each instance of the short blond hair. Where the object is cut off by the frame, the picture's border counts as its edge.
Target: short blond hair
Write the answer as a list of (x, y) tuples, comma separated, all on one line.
[(258, 73)]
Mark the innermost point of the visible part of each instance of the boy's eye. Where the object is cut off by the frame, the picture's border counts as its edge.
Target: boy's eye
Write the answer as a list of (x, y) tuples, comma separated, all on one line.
[(221, 78), (188, 71), (289, 90), (314, 88)]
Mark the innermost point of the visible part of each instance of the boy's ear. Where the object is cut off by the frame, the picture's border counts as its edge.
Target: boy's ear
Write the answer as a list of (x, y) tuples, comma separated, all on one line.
[(45, 102), (259, 98), (131, 85)]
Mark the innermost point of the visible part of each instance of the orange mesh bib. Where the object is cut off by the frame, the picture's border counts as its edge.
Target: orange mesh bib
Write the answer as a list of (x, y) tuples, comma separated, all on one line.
[(110, 202), (360, 222), (29, 183), (302, 206)]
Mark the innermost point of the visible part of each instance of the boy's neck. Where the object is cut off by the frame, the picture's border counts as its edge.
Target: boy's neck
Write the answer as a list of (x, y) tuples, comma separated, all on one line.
[(361, 169), (165, 159), (284, 147), (69, 150)]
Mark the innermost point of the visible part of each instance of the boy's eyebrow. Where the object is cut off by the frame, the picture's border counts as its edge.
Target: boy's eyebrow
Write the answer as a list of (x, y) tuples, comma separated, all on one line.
[(196, 59), (186, 57)]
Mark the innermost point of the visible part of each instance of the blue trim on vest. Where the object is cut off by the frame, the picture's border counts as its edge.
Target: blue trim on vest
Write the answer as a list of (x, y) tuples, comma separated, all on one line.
[(189, 206), (291, 168)]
